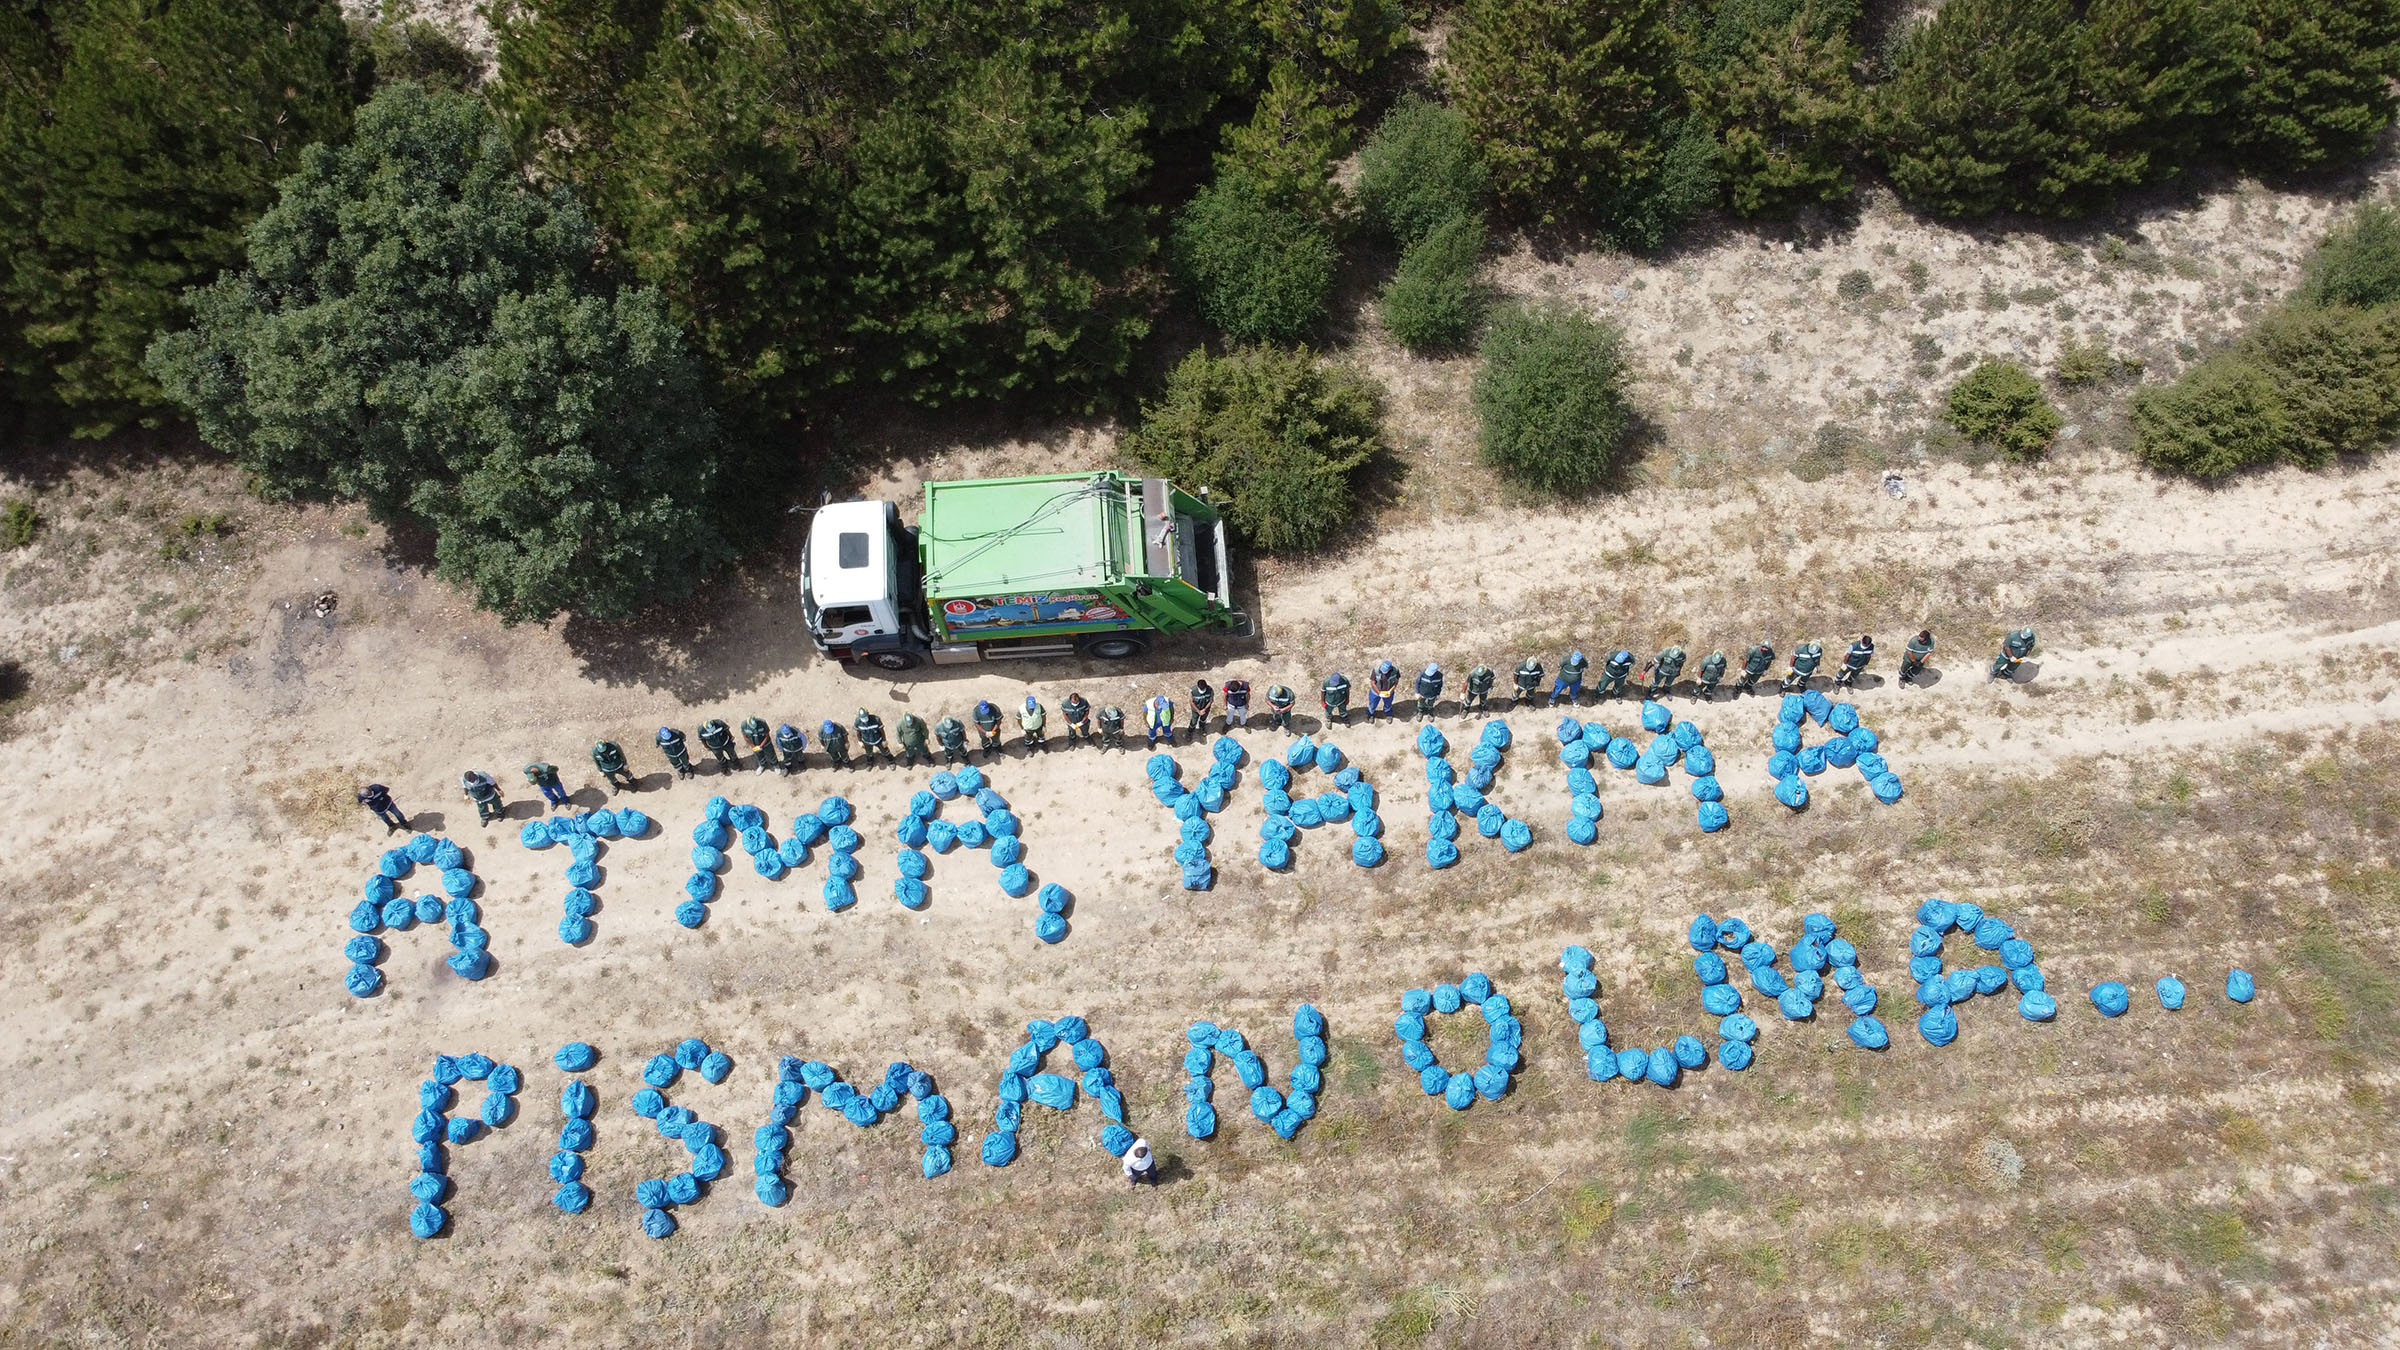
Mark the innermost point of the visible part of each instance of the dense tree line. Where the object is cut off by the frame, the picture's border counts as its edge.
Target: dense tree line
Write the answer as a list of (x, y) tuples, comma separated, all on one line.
[(751, 212)]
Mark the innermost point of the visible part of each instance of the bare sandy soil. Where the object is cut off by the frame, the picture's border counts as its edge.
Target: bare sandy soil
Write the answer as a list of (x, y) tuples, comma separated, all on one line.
[(206, 1141)]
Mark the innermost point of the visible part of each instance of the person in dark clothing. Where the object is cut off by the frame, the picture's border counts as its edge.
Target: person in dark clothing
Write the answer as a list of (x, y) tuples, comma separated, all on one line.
[(1429, 690), (836, 740), (609, 758), (670, 744), (717, 738), (378, 799), (870, 737), (1279, 706), (544, 778)]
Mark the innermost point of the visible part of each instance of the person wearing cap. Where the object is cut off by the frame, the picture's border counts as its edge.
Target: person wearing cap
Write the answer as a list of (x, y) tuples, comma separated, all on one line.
[(679, 756), (1755, 663), (836, 740), (1383, 686), (952, 736), (762, 741), (1334, 698), (1032, 721), (1614, 675), (987, 727), (1076, 711), (378, 799), (1479, 689), (1663, 669), (790, 743), (544, 778), (609, 758), (1141, 1165), (1529, 679), (1158, 719), (1279, 706), (912, 740), (1429, 690), (1570, 679), (1712, 670), (1112, 728), (870, 737)]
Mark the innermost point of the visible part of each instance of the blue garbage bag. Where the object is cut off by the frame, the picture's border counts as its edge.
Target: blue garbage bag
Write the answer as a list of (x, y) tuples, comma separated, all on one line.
[(2239, 986), (1863, 740), (1860, 1000), (1431, 742), (2111, 998), (1962, 985), (1366, 852), (1660, 1067), (1689, 1052), (1886, 788), (2170, 993), (1867, 1033), (1052, 1090), (1939, 1026), (1329, 758), (1839, 753), (2016, 953), (1623, 753), (1515, 835), (1713, 816), (1458, 1091), (2037, 1006), (1786, 737), (1791, 710), (1783, 764), (2027, 979), (1705, 788), (1795, 1006)]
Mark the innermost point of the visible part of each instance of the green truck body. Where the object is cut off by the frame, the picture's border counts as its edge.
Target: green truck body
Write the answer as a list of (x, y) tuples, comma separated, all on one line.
[(1089, 563)]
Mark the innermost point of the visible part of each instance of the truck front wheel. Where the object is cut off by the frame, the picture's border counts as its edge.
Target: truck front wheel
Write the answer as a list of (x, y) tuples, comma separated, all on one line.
[(1115, 646), (895, 660)]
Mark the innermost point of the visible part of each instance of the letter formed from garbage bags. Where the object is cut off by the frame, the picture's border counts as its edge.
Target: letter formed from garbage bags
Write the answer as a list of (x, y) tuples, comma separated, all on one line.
[(1023, 1080), (1505, 1035), (701, 1140), (796, 1079), (1663, 1066), (2009, 968), (1284, 1111), (441, 1120)]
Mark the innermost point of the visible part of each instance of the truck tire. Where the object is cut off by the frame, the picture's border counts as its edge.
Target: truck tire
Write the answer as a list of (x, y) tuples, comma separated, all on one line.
[(1115, 646), (894, 659)]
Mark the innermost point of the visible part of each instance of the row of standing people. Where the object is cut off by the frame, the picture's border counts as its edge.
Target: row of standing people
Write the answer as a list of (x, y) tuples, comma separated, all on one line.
[(784, 747)]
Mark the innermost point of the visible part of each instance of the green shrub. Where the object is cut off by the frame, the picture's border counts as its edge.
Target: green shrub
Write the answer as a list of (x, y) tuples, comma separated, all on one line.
[(18, 522), (1551, 398), (2081, 364), (2223, 415), (1420, 170), (2359, 261), (1999, 405), (1274, 435), (1257, 271), (1434, 301), (2337, 373)]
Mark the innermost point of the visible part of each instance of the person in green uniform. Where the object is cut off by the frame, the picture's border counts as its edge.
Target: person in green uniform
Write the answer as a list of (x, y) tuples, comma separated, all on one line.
[(1912, 660), (951, 734), (1805, 658), (836, 739), (485, 793), (1529, 680), (1032, 721), (1614, 675), (1664, 668), (1755, 663), (718, 739), (1429, 690), (1712, 671), (912, 741), (1334, 698), (1854, 662), (1479, 689), (762, 741), (870, 737), (2013, 650), (1279, 706), (544, 778), (1112, 728), (1203, 695), (1076, 711), (609, 758), (679, 757), (987, 727), (791, 743)]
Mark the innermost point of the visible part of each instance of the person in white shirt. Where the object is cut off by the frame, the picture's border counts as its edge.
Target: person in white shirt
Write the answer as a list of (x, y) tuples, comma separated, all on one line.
[(1141, 1168)]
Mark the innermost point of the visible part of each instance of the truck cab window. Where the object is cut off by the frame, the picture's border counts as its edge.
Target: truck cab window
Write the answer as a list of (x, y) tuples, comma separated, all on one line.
[(844, 616), (850, 549)]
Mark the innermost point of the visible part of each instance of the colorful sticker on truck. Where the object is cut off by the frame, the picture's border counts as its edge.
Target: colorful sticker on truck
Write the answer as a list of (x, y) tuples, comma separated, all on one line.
[(988, 613)]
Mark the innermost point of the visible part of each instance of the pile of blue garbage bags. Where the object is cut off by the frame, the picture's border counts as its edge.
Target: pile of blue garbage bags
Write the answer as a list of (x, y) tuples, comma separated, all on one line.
[(1284, 1112), (384, 907), (435, 1127), (583, 833), (1504, 1034), (1448, 797), (1023, 1081)]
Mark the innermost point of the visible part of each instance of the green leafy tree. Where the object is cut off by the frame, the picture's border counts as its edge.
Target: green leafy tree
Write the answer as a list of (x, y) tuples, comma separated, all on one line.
[(2359, 261), (1256, 270), (1577, 107), (1434, 301), (1276, 436), (1340, 45), (2315, 83), (2223, 416), (143, 138), (420, 330), (1551, 398), (1420, 170), (1776, 79), (1999, 404)]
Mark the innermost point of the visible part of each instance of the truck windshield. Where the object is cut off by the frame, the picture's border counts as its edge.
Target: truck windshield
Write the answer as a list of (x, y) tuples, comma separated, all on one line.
[(850, 549)]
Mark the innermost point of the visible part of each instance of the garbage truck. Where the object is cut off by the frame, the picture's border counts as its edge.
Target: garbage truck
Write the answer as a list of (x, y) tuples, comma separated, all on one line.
[(1084, 564)]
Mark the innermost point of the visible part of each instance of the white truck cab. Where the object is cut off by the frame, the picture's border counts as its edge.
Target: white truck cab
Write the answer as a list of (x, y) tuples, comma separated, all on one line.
[(854, 580)]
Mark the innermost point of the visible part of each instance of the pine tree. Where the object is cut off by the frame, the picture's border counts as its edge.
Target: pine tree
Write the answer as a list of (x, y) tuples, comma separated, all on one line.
[(160, 137), (1776, 79), (2315, 88), (1576, 105)]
